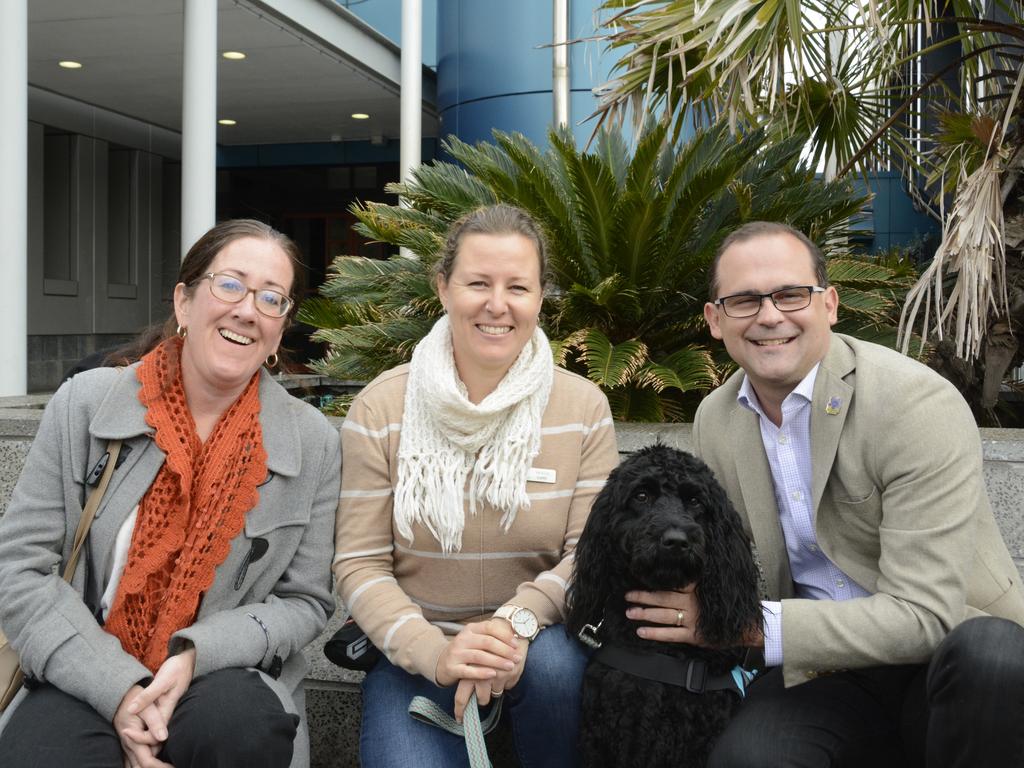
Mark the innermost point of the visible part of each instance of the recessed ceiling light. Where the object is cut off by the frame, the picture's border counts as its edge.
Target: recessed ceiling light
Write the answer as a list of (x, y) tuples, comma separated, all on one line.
[(70, 64), (227, 121), (233, 55), (360, 116)]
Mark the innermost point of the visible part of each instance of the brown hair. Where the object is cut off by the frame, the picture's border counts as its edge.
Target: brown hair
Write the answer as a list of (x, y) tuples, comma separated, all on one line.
[(197, 263), (500, 219), (755, 229)]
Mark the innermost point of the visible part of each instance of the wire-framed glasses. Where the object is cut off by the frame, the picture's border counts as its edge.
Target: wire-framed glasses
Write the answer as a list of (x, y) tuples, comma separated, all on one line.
[(232, 290), (790, 299)]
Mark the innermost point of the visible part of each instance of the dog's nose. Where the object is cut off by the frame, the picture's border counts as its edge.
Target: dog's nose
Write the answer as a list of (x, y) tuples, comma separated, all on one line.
[(676, 539)]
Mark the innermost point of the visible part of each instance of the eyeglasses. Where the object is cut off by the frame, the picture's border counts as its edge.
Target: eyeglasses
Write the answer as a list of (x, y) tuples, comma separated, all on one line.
[(232, 290), (785, 300)]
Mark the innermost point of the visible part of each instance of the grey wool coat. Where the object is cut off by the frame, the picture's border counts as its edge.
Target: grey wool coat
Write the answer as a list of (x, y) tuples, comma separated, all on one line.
[(259, 612)]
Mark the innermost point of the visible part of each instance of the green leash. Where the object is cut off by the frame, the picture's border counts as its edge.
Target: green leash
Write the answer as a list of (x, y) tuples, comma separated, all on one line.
[(427, 711)]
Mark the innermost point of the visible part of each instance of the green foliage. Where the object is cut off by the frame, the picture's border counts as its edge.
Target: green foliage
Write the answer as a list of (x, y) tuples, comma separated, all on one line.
[(631, 236), (933, 91)]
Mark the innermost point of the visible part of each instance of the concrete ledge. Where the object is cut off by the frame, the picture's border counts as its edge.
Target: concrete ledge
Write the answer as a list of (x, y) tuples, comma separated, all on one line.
[(333, 700)]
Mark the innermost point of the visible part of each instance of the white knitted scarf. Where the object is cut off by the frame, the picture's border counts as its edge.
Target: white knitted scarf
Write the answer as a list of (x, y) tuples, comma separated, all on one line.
[(445, 437)]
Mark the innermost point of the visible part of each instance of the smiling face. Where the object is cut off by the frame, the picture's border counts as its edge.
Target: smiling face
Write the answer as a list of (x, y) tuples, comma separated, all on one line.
[(493, 297), (227, 343), (776, 349)]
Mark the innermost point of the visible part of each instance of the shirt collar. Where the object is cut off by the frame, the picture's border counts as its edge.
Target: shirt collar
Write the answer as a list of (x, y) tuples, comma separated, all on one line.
[(804, 391)]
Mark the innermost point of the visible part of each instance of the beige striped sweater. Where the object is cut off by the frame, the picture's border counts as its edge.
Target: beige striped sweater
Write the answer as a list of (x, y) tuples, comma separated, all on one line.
[(408, 596)]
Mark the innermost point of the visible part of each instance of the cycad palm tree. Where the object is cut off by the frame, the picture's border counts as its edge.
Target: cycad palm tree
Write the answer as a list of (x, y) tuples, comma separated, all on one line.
[(631, 236)]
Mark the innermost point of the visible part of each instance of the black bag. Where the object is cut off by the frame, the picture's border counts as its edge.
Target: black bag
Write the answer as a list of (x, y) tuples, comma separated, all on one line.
[(350, 648)]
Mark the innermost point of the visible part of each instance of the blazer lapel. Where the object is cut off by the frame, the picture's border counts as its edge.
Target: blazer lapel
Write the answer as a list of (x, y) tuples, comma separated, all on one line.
[(758, 492), (832, 400)]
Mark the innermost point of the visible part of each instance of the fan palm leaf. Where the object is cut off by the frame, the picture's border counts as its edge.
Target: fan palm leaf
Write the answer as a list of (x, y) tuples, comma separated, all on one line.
[(853, 82)]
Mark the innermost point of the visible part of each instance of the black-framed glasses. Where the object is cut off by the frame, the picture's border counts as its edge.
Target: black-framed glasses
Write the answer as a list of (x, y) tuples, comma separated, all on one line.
[(232, 290), (790, 299)]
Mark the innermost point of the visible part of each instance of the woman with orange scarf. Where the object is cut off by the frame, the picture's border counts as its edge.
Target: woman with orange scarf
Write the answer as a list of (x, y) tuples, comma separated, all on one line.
[(179, 641)]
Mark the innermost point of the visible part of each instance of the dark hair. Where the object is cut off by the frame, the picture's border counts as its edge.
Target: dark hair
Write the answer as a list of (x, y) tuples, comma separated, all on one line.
[(197, 263), (755, 229), (500, 219)]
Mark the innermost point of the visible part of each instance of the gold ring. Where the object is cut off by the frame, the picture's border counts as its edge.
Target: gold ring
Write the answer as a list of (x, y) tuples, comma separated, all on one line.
[(679, 618)]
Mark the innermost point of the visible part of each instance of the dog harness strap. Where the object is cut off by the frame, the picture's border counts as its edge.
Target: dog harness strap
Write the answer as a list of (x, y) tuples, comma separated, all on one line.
[(688, 673)]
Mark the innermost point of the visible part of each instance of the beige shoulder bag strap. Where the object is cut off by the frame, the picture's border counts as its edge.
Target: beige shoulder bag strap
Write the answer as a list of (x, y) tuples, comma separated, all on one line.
[(113, 451)]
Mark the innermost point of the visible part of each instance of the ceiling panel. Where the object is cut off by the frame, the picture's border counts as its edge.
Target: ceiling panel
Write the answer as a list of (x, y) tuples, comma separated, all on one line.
[(288, 89)]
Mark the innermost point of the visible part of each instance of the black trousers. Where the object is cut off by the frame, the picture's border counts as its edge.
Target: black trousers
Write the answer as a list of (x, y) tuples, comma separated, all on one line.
[(226, 719), (963, 710)]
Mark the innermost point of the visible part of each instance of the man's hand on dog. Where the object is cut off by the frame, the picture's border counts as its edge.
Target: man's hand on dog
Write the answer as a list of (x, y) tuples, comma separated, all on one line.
[(679, 610)]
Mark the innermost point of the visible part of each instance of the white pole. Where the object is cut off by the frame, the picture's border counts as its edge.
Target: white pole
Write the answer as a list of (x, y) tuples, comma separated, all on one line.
[(412, 87), (560, 63), (199, 122), (411, 131), (14, 194)]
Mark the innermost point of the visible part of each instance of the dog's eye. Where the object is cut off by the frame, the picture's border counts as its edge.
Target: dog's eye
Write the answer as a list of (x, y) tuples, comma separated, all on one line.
[(641, 496)]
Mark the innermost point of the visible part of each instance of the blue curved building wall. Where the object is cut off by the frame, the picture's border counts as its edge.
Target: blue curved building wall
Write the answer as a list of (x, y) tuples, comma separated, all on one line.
[(494, 67), (494, 71)]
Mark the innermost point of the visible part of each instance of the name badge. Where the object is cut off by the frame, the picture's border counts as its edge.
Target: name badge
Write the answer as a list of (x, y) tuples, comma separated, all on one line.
[(540, 475)]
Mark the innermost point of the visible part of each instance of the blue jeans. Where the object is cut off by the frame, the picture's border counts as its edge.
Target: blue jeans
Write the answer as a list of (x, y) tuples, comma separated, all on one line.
[(544, 709)]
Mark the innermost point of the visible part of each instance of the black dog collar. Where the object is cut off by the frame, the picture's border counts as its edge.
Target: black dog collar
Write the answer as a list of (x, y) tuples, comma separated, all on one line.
[(688, 673)]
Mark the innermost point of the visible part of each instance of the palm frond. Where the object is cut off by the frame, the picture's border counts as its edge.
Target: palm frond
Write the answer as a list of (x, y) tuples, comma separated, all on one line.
[(630, 237), (611, 365), (972, 247)]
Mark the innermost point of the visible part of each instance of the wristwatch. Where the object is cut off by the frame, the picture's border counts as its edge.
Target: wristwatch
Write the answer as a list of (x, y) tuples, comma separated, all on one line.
[(523, 620)]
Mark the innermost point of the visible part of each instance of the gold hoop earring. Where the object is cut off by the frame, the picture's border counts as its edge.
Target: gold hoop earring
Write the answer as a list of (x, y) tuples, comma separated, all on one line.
[(272, 363), (181, 333)]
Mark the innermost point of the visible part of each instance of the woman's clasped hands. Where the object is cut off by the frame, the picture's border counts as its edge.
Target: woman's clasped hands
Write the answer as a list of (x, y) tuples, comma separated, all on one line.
[(142, 718), (486, 657)]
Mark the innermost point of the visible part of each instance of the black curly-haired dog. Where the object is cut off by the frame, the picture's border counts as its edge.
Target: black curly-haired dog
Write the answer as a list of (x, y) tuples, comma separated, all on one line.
[(662, 521)]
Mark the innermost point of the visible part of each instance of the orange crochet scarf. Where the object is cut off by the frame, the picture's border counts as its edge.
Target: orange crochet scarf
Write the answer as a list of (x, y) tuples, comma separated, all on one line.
[(194, 508)]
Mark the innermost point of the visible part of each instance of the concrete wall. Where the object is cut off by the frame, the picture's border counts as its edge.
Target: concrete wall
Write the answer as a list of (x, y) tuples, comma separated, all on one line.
[(333, 701)]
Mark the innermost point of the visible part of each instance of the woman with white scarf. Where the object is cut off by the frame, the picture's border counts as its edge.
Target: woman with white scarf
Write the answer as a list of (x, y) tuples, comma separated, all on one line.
[(468, 475)]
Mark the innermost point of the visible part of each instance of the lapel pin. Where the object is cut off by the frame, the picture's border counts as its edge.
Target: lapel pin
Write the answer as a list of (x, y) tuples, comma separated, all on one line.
[(833, 405)]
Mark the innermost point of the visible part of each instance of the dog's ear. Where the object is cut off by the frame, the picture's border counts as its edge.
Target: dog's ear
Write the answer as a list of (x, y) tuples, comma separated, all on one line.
[(727, 591), (591, 573)]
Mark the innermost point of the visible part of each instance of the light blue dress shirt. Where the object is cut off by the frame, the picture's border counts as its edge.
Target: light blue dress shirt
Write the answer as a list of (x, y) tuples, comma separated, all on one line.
[(788, 448)]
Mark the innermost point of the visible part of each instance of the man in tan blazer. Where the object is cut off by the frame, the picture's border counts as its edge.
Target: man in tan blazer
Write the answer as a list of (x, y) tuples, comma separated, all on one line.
[(858, 474)]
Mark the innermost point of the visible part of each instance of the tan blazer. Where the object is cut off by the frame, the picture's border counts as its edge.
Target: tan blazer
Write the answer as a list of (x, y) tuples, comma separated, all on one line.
[(899, 503)]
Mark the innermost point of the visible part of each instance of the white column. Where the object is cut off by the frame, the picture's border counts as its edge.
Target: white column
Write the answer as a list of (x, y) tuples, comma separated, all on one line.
[(199, 122), (560, 62), (411, 132), (14, 194)]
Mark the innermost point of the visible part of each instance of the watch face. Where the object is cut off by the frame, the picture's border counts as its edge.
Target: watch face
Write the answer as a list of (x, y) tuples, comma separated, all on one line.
[(524, 623)]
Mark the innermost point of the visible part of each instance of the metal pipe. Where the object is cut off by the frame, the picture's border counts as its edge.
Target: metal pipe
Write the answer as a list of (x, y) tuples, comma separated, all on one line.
[(14, 194), (560, 62), (199, 122)]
